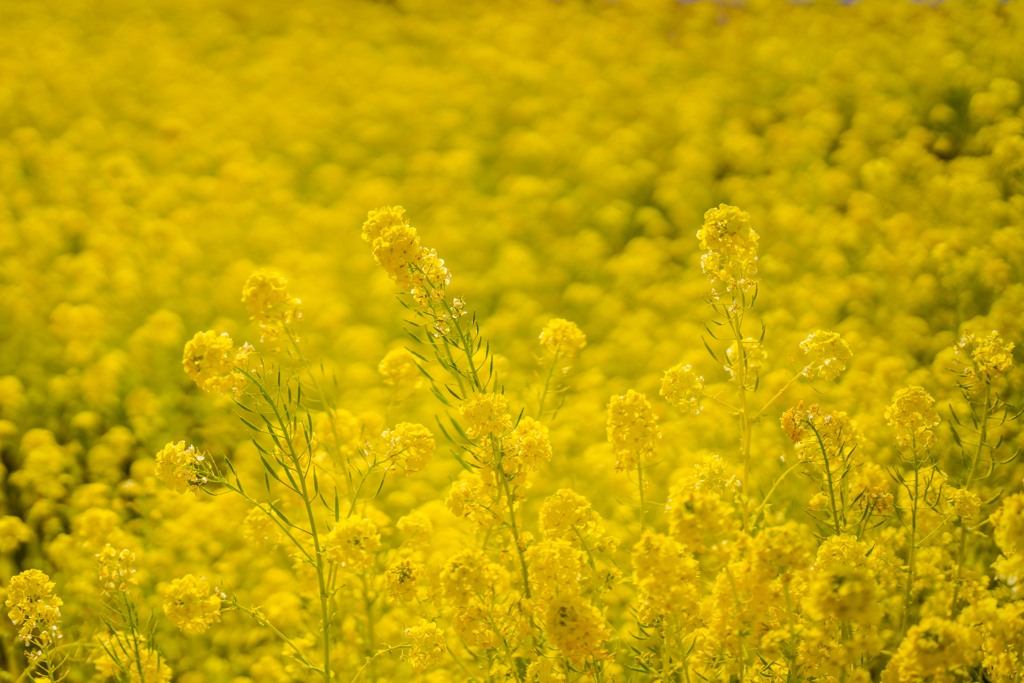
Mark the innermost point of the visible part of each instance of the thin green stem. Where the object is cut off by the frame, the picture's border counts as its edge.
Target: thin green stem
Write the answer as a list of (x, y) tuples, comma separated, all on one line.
[(962, 549), (912, 546), (513, 524), (773, 399)]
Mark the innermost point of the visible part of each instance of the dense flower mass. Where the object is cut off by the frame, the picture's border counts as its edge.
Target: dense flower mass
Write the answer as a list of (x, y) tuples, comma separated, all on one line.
[(632, 428), (638, 341), (33, 608), (562, 338), (912, 416), (192, 604)]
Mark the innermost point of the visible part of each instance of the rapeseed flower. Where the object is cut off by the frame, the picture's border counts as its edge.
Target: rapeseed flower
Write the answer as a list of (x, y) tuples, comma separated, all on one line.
[(192, 603), (34, 610), (632, 429), (912, 417), (353, 543), (562, 338)]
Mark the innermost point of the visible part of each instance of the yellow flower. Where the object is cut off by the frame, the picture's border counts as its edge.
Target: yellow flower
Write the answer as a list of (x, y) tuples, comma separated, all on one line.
[(544, 671), (746, 359), (556, 568), (988, 358), (210, 361), (416, 528), (1008, 522), (428, 646), (259, 528), (487, 416), (265, 294), (813, 431), (34, 609), (471, 497), (469, 576), (964, 503), (410, 446), (577, 629), (683, 387), (912, 416), (730, 244), (666, 579), (826, 353), (562, 338), (399, 369), (632, 429), (844, 593), (353, 543), (191, 603), (526, 448), (181, 467), (396, 248), (13, 532), (401, 579), (936, 650), (568, 515), (117, 569)]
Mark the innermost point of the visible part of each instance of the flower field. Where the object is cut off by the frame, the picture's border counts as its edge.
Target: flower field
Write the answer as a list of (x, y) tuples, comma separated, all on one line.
[(540, 342)]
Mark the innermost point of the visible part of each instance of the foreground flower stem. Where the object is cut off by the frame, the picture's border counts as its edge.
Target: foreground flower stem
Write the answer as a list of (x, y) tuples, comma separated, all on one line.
[(962, 549), (303, 491), (911, 545)]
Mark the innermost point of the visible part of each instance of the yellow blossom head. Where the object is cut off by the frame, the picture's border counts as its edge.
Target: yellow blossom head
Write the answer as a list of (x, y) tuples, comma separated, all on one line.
[(117, 569), (13, 532), (211, 361), (984, 359), (34, 609), (397, 249), (562, 338), (427, 645), (265, 294), (632, 429), (410, 446), (730, 244), (486, 416), (683, 387), (826, 354), (192, 604), (399, 369), (181, 467), (353, 543), (577, 629), (912, 416)]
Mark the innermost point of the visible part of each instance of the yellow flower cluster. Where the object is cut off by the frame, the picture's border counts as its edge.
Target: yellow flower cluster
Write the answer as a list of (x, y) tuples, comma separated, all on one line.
[(270, 305), (730, 250), (632, 429), (212, 361), (912, 416), (562, 338), (192, 604), (353, 544), (397, 249), (34, 609)]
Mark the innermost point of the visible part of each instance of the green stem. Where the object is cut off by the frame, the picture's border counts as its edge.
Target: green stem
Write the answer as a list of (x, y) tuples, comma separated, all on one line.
[(962, 549), (774, 398), (317, 548), (547, 386), (515, 530), (828, 479), (912, 548)]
